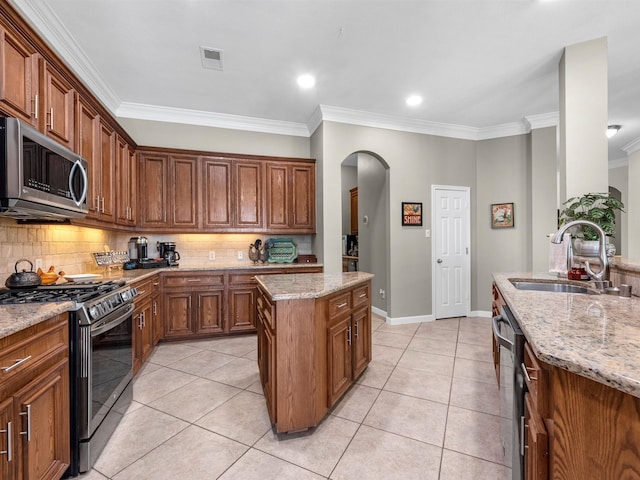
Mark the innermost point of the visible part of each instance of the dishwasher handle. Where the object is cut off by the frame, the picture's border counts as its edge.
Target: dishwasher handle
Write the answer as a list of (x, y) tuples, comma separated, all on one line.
[(505, 342)]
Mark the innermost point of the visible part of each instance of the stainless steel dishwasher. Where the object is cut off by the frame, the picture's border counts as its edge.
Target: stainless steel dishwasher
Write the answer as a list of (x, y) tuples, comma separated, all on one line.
[(511, 340)]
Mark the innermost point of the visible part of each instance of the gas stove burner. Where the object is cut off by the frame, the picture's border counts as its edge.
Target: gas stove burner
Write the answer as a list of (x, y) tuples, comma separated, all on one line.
[(73, 292)]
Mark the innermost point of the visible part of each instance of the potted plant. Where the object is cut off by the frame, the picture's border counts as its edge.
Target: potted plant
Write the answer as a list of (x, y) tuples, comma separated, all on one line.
[(599, 208)]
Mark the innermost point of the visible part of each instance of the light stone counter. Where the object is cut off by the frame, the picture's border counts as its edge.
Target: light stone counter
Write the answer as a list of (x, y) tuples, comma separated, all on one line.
[(14, 318), (295, 286), (596, 336)]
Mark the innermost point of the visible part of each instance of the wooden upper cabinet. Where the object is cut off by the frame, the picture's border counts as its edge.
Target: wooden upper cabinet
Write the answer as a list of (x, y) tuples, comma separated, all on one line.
[(57, 98), (184, 191), (18, 77), (354, 210), (291, 197), (126, 185), (154, 169), (248, 195), (107, 144), (87, 122), (216, 194)]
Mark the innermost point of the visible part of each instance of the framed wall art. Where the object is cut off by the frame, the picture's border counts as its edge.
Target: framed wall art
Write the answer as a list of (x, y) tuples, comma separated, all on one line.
[(502, 215), (411, 214)]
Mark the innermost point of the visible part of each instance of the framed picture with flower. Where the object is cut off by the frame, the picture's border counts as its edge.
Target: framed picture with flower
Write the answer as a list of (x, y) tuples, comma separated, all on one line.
[(502, 215)]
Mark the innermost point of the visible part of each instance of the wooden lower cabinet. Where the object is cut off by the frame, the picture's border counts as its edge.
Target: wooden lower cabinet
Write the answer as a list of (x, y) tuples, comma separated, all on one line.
[(145, 319), (536, 442), (242, 308), (496, 305), (34, 402), (310, 351)]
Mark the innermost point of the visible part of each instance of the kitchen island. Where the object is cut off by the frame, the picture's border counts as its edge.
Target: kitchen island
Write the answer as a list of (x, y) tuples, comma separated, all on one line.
[(314, 341), (582, 372)]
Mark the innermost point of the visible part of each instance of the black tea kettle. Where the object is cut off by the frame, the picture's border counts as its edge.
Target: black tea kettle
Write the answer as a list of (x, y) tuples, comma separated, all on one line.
[(23, 279)]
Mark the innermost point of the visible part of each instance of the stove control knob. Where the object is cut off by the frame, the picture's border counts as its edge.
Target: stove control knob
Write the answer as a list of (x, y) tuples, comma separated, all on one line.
[(94, 312)]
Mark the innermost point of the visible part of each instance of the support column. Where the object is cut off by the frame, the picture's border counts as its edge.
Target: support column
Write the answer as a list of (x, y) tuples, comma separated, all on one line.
[(583, 119)]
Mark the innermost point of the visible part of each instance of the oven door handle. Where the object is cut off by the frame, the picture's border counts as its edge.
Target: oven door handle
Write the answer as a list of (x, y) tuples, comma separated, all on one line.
[(505, 342), (109, 323)]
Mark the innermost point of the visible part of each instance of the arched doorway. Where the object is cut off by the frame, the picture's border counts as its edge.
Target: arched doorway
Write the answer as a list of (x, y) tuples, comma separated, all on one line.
[(369, 173)]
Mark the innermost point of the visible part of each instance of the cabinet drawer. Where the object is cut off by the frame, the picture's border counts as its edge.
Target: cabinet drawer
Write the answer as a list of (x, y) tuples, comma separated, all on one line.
[(248, 277), (361, 295), (145, 288), (266, 310), (533, 377), (214, 280), (340, 305), (31, 347)]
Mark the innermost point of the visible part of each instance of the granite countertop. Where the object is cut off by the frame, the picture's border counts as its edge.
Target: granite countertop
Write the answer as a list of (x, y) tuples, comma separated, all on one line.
[(596, 336), (296, 286), (14, 318)]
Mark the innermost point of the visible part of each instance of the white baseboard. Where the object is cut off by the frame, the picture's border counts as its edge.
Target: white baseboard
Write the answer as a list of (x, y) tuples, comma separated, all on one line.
[(480, 313), (407, 320)]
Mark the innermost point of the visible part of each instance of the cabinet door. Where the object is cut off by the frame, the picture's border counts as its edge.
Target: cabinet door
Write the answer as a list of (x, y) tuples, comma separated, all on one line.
[(157, 323), (216, 193), (107, 142), (126, 188), (303, 197), (43, 407), (339, 359), (8, 440), (142, 333), (536, 454), (210, 314), (178, 314), (354, 210), (87, 120), (267, 366), (153, 187), (58, 99), (361, 339), (242, 308), (18, 77), (277, 196), (184, 190), (248, 195)]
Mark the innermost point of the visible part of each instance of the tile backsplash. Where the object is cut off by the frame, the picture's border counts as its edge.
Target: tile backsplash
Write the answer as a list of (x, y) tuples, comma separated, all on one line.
[(69, 248)]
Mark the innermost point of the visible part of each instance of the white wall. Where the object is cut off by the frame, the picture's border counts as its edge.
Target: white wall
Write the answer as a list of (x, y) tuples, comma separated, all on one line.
[(619, 178)]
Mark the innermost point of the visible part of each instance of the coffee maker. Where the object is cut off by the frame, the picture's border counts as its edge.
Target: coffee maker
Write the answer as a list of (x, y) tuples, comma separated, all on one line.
[(138, 249), (168, 251)]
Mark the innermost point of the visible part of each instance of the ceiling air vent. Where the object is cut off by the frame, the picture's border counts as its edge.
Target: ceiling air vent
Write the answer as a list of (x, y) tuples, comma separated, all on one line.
[(211, 58)]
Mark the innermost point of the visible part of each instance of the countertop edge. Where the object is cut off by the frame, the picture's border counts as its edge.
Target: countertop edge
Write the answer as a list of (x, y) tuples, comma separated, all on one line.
[(305, 285), (541, 330)]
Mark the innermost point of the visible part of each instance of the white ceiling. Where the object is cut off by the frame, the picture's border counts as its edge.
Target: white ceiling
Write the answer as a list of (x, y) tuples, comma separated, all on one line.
[(484, 67)]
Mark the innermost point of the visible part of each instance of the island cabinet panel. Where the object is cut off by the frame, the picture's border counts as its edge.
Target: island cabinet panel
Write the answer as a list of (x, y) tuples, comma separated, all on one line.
[(18, 77), (308, 354), (34, 402)]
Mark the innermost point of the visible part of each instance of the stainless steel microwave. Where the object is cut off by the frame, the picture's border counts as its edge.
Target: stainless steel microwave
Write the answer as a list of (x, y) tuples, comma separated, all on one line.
[(39, 178)]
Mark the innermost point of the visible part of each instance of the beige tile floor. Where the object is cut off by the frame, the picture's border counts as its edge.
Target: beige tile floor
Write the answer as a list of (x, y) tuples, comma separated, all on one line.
[(425, 408)]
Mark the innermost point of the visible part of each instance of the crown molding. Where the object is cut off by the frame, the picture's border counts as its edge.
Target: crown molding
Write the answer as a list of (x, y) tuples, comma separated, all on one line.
[(544, 120), (208, 119), (632, 146), (44, 20)]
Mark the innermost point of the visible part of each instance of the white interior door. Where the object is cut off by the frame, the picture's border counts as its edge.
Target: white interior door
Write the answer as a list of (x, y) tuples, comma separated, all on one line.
[(450, 249)]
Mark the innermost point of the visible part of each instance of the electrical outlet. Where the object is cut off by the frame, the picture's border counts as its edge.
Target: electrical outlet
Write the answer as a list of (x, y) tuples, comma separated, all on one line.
[(212, 255), (38, 263), (382, 293), (240, 254)]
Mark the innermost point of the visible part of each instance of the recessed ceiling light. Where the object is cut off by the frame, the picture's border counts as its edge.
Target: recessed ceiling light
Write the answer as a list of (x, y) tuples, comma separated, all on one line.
[(306, 81), (414, 100), (612, 130)]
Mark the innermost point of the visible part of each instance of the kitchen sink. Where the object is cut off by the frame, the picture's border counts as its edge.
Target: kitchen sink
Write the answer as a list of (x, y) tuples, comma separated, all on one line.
[(551, 287)]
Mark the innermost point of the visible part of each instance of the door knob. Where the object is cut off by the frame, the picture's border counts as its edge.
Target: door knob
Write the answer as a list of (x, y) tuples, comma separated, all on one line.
[(439, 260)]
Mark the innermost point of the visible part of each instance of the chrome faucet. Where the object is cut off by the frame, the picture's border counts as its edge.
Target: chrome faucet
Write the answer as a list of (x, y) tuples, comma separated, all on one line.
[(603, 274)]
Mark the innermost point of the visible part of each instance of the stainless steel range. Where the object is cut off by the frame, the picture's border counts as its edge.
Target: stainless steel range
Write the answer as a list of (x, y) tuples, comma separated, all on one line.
[(100, 356)]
